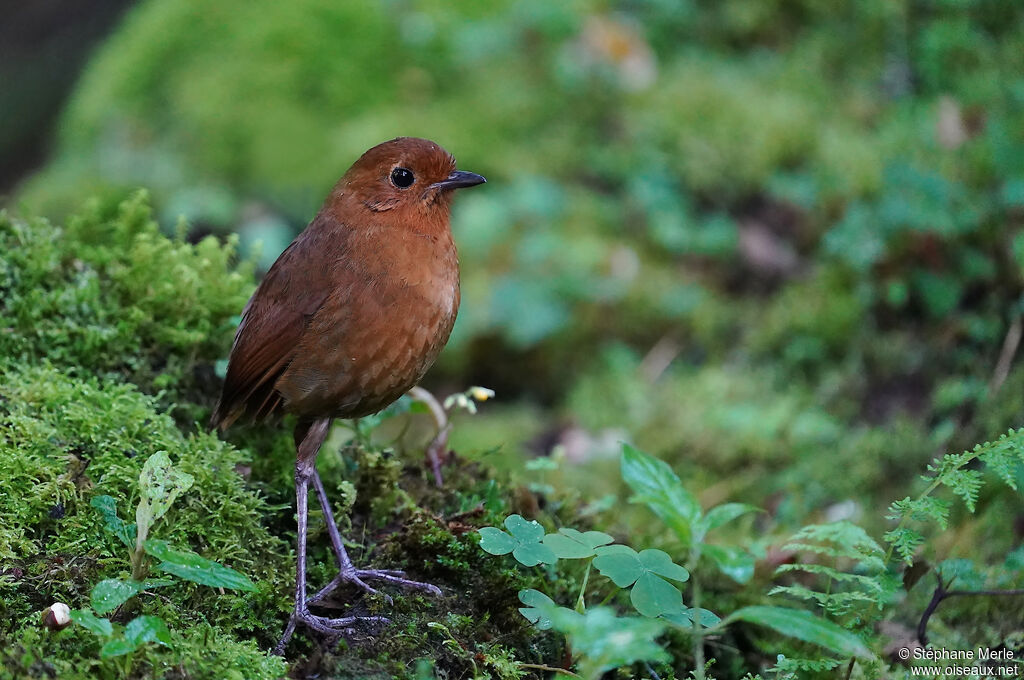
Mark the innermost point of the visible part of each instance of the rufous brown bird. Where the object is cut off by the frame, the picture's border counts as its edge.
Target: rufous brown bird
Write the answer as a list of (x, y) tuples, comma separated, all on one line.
[(350, 317)]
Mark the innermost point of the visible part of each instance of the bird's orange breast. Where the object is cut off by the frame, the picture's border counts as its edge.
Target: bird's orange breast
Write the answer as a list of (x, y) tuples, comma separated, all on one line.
[(391, 310)]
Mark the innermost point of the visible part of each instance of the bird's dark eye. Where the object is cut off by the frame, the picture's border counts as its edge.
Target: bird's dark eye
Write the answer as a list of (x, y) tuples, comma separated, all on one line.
[(402, 178)]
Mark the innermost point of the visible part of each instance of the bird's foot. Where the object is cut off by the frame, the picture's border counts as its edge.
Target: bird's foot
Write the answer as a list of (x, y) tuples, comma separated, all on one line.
[(331, 629), (359, 578)]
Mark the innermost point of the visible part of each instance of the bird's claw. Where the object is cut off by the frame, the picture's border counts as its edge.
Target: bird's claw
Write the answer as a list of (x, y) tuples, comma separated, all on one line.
[(330, 628), (358, 578)]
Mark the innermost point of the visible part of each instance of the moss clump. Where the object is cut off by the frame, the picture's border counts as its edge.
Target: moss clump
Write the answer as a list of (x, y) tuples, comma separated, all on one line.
[(109, 332), (109, 295)]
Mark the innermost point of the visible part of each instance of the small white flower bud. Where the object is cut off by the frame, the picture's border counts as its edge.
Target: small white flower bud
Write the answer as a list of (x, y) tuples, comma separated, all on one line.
[(481, 393), (57, 616)]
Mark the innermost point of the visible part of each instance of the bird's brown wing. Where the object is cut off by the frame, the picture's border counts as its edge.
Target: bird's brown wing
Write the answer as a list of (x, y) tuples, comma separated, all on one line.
[(274, 320)]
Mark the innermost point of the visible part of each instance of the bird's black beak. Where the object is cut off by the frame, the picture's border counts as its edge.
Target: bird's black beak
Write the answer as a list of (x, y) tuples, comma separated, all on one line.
[(458, 180)]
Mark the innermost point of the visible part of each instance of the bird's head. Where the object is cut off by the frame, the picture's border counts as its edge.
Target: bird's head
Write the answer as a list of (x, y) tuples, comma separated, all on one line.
[(407, 175)]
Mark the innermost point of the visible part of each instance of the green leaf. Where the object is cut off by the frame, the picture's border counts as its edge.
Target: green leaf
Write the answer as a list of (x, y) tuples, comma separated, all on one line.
[(496, 541), (109, 594), (537, 609), (708, 619), (159, 483), (572, 544), (653, 596), (532, 554), (620, 563), (802, 625), (605, 641), (660, 563), (655, 484), (723, 514), (524, 541), (687, 616), (118, 647), (523, 529), (733, 561), (86, 619), (107, 507), (191, 567), (147, 628)]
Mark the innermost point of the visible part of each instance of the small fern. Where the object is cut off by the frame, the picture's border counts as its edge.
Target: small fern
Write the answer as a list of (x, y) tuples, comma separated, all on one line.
[(1002, 456), (850, 572)]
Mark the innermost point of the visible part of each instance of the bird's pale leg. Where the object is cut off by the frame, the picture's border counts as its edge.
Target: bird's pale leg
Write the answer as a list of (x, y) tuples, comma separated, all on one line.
[(309, 438), (347, 572)]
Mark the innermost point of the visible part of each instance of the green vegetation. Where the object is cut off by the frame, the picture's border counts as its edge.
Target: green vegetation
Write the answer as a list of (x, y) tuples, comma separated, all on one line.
[(777, 245), (76, 446)]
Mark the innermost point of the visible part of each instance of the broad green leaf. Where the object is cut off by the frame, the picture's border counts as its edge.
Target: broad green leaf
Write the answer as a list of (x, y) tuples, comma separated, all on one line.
[(620, 563), (708, 619), (537, 609), (147, 628), (607, 641), (623, 565), (118, 647), (159, 483), (109, 594), (733, 561), (723, 514), (191, 567), (496, 541), (660, 563), (655, 484), (523, 529), (653, 596), (686, 616), (107, 507), (532, 554), (573, 544), (524, 541), (802, 625), (86, 619)]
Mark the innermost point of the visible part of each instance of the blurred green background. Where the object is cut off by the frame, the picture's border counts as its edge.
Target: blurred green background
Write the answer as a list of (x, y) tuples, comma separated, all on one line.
[(779, 243)]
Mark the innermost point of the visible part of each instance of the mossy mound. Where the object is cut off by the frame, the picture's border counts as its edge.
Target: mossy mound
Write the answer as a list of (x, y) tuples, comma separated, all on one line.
[(109, 333)]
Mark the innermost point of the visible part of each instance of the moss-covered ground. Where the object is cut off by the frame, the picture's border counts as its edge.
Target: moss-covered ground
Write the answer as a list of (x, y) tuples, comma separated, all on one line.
[(109, 337)]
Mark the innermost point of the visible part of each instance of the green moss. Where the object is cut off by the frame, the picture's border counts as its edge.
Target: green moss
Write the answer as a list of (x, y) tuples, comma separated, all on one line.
[(108, 328), (199, 651), (109, 295)]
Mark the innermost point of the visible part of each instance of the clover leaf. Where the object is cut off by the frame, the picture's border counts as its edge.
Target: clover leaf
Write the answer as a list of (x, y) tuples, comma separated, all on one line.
[(651, 595), (537, 609), (522, 540), (572, 544), (687, 616)]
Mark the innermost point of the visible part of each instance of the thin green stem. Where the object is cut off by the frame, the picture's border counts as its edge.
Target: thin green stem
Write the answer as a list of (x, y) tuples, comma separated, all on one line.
[(698, 632), (903, 520), (581, 605)]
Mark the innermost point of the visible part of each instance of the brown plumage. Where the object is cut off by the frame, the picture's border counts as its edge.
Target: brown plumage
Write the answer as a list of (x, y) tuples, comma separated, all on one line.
[(349, 318)]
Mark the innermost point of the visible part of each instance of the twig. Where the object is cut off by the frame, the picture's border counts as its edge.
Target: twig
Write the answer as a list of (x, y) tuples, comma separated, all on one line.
[(942, 592), (542, 667), (1006, 354), (659, 358)]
